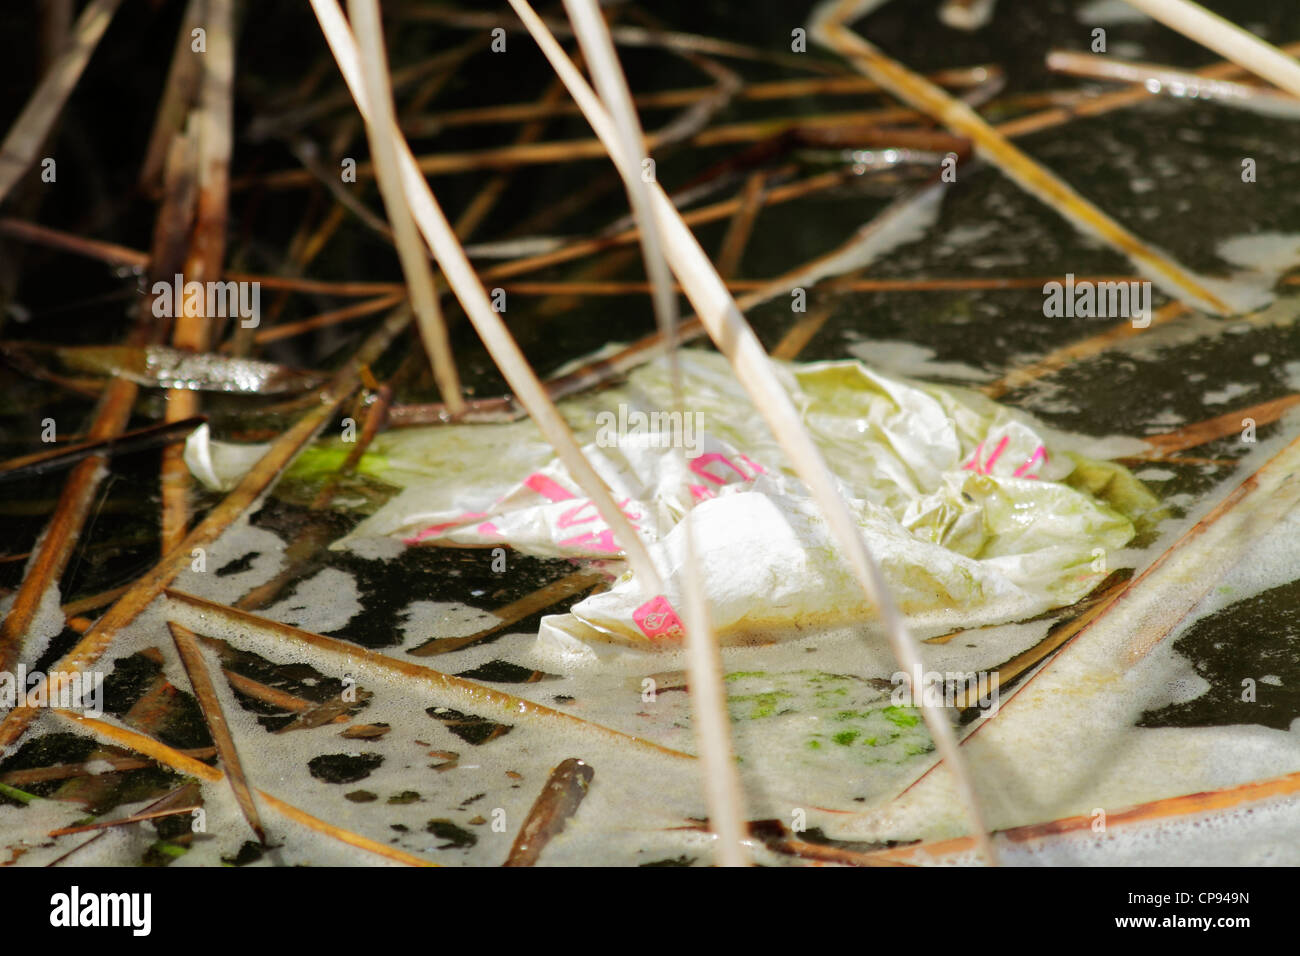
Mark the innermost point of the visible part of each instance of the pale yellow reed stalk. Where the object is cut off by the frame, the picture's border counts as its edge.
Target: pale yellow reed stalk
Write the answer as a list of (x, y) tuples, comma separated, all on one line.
[(380, 124), (735, 339), (704, 664)]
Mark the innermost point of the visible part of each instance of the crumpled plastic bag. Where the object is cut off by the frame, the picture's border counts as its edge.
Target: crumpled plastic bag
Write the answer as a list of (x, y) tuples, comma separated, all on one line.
[(977, 513)]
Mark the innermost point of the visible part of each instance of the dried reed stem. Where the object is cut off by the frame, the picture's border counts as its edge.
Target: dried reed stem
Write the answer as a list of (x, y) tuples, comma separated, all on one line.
[(206, 693), (208, 147), (1179, 83), (381, 131), (775, 90), (476, 697)]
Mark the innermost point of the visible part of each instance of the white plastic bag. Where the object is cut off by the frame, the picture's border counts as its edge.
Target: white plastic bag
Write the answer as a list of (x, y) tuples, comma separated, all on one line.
[(966, 504)]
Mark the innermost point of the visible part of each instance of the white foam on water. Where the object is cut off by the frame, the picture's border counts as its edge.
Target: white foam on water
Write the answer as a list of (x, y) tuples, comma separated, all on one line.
[(1039, 761), (323, 603), (47, 623), (426, 620), (965, 234), (376, 547), (24, 841), (1262, 258), (238, 542)]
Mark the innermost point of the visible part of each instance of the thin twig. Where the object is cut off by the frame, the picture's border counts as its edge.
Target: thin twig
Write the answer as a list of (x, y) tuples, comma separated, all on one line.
[(1221, 426), (671, 99), (218, 729), (1069, 354), (1166, 810), (563, 151), (108, 252), (972, 283), (334, 317), (1171, 82), (514, 612), (561, 795), (142, 817), (631, 36), (65, 456)]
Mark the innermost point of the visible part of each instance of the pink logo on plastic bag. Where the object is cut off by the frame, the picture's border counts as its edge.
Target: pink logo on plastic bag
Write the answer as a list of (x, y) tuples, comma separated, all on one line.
[(1040, 454), (986, 468), (602, 543), (700, 464), (547, 487), (658, 621)]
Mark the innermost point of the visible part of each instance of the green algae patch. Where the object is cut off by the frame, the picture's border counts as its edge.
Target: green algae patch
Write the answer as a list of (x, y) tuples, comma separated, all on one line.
[(830, 716)]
